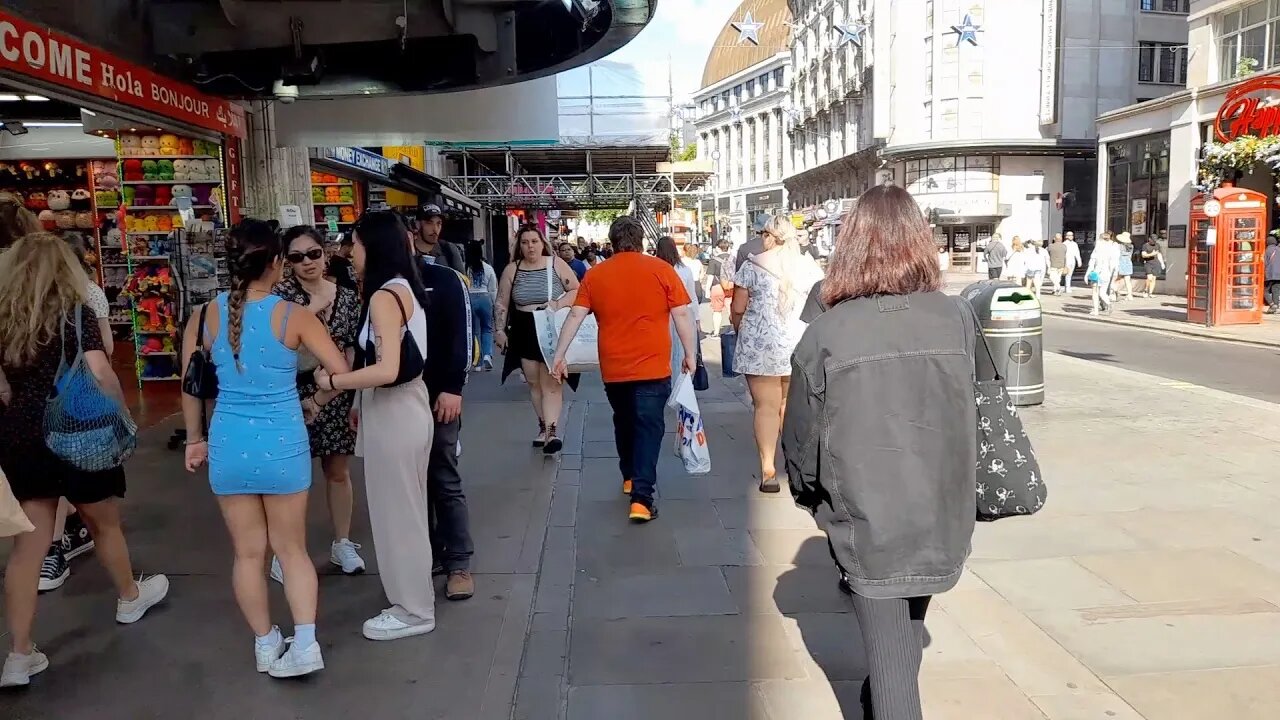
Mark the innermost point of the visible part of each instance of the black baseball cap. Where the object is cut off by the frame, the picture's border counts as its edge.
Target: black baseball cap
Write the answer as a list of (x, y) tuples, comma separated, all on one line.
[(428, 211)]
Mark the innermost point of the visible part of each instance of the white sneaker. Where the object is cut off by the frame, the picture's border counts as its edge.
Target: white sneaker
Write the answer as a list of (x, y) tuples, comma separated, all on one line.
[(343, 554), (266, 655), (276, 572), (457, 449), (296, 662), (18, 669), (387, 626), (151, 591), (487, 363)]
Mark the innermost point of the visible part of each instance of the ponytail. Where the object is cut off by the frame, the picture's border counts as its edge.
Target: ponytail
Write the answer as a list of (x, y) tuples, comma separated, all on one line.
[(235, 317), (252, 248)]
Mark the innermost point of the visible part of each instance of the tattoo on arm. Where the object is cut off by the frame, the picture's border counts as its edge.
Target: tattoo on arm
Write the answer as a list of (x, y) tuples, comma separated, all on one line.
[(500, 318), (377, 348)]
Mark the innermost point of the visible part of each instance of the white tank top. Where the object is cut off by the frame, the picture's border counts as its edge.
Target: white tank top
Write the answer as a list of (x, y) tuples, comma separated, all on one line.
[(417, 325)]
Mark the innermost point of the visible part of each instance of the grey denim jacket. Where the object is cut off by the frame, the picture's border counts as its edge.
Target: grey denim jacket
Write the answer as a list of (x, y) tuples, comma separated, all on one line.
[(880, 438)]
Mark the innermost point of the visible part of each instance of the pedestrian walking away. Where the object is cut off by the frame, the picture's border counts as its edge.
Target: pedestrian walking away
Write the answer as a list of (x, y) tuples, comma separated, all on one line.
[(755, 244), (1057, 263), (1017, 263), (42, 293), (449, 326), (1153, 263), (720, 276), (535, 281), (1101, 271), (330, 435), (1124, 267), (1073, 259), (484, 297), (1036, 260), (634, 297), (257, 446), (855, 401), (667, 251), (393, 402), (996, 253), (769, 293)]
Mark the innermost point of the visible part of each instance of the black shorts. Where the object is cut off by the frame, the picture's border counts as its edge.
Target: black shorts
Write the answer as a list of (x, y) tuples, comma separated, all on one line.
[(36, 474), (522, 339)]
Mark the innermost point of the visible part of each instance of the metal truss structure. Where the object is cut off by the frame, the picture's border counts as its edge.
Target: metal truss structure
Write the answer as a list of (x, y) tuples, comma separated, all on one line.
[(658, 191)]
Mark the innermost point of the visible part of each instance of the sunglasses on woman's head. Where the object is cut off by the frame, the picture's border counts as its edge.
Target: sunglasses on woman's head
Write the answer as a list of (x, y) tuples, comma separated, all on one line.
[(312, 254)]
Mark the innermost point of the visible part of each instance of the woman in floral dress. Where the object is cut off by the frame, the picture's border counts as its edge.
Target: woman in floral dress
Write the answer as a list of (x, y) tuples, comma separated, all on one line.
[(769, 292), (329, 429)]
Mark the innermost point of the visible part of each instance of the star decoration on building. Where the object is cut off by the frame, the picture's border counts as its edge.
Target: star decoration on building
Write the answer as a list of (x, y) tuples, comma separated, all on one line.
[(748, 30), (966, 31), (850, 32), (793, 115), (735, 114)]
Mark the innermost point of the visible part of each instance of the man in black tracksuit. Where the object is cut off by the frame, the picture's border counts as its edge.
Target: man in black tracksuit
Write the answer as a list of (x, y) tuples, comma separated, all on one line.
[(450, 349)]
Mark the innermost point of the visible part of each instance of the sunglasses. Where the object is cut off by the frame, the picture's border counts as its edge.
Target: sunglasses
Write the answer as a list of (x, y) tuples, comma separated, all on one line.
[(312, 254)]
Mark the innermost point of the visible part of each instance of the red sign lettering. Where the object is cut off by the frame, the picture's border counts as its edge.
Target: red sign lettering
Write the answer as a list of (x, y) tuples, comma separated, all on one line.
[(1243, 113), (44, 54)]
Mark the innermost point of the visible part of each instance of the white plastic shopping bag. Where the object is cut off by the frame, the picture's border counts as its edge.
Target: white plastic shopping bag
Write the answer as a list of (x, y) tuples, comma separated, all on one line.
[(583, 354), (692, 437)]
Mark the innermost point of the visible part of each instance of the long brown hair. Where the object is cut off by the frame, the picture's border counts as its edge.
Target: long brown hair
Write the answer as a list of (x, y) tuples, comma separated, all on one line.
[(885, 247), (41, 282), (530, 227), (15, 220), (253, 248)]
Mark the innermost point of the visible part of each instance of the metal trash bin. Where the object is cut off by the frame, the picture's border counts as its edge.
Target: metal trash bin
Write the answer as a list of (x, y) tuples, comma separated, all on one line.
[(1013, 324)]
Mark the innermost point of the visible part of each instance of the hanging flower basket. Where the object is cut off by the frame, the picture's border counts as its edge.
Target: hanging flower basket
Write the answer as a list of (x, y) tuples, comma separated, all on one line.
[(1221, 160)]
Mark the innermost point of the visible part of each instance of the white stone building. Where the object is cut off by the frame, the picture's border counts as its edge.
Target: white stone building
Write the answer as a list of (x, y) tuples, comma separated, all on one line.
[(741, 120)]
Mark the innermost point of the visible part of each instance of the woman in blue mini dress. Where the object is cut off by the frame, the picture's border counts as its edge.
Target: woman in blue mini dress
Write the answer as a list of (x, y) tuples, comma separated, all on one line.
[(257, 448)]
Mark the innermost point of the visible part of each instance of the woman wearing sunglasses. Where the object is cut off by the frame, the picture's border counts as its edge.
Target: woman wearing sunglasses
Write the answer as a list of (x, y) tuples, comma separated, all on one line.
[(328, 428)]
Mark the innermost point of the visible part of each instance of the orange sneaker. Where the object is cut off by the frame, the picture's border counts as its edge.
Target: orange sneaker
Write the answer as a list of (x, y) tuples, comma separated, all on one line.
[(642, 513), (626, 487)]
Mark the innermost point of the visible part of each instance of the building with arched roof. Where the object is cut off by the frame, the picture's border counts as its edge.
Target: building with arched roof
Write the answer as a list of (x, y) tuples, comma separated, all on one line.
[(741, 120)]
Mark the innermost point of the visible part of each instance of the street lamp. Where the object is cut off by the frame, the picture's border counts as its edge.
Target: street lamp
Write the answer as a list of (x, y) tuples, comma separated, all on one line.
[(714, 181)]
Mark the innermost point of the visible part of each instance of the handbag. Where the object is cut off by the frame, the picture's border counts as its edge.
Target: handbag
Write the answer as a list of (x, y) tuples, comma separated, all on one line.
[(201, 378), (1092, 278), (701, 381), (1008, 481), (83, 426), (583, 353), (412, 363)]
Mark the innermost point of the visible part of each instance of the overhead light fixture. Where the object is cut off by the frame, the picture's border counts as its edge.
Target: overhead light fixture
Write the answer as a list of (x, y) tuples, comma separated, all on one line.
[(14, 127), (42, 124), (35, 98), (9, 97)]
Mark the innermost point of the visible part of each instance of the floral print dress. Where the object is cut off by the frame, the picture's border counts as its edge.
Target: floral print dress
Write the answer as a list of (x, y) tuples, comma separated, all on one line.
[(330, 433), (766, 336)]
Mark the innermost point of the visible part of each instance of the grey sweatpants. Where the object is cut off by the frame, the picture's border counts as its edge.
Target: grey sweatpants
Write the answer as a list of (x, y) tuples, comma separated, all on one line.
[(893, 635)]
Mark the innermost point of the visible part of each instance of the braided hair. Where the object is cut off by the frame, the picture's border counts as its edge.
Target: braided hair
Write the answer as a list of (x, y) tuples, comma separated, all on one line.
[(252, 249)]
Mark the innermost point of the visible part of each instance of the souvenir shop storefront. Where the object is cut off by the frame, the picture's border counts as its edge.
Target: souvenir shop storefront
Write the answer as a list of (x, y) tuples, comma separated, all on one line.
[(1171, 167), (145, 168)]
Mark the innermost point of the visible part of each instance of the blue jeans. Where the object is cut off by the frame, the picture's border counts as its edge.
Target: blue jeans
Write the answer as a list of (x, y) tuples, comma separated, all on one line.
[(482, 322), (638, 425)]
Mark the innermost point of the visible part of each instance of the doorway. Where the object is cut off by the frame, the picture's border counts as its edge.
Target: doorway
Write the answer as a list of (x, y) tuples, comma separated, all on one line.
[(962, 243)]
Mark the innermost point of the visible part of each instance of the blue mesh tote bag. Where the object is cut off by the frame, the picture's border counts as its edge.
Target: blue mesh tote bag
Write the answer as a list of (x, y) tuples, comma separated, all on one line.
[(83, 426)]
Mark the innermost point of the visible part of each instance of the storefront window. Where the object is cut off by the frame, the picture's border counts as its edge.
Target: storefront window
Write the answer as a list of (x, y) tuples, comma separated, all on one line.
[(1247, 39), (1138, 187), (953, 174)]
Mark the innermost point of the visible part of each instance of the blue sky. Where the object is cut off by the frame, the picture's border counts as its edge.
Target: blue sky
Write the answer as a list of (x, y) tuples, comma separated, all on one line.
[(683, 30)]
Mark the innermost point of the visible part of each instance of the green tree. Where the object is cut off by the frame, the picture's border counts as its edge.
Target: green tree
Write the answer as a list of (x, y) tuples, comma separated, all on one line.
[(601, 217), (690, 152)]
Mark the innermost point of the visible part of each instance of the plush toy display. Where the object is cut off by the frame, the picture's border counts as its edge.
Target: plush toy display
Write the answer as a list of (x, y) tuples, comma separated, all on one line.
[(164, 222), (84, 220), (48, 220), (150, 223), (163, 194), (168, 144), (66, 219), (317, 194), (348, 213), (59, 199), (331, 212), (130, 144), (186, 147), (141, 195), (150, 145), (133, 169), (317, 177), (81, 200), (331, 194), (107, 198), (150, 170), (165, 169), (213, 169), (347, 194), (180, 191), (181, 170), (36, 202), (195, 171), (104, 175)]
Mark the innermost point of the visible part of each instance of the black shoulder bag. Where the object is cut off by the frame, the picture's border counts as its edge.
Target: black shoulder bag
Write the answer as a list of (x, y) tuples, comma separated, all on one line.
[(412, 363), (201, 378)]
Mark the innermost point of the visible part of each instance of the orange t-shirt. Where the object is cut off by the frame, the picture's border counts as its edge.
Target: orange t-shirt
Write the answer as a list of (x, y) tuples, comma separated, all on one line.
[(631, 295)]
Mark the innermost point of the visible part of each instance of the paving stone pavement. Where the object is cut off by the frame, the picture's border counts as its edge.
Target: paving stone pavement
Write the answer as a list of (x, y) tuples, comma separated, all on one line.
[(1149, 587)]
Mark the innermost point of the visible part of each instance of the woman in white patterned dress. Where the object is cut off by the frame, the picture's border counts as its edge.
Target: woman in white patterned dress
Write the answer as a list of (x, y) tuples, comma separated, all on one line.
[(769, 292)]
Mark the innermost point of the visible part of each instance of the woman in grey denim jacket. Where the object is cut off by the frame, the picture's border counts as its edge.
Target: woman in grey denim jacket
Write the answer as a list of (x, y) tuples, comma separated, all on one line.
[(880, 433)]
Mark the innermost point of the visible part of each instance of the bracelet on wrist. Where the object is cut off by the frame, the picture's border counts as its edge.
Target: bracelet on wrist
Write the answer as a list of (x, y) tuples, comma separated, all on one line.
[(331, 385), (201, 441)]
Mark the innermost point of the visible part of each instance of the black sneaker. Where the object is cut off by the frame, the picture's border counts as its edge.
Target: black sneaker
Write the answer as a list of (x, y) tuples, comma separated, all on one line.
[(55, 570), (76, 539), (844, 585)]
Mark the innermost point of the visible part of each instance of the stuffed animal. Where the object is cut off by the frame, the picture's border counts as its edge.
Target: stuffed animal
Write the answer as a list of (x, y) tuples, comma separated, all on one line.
[(150, 223), (195, 171), (317, 177), (163, 195), (164, 169), (168, 144), (213, 169), (133, 170), (179, 191), (347, 195), (182, 170), (150, 170), (130, 144), (330, 178), (140, 195), (81, 199), (59, 199), (317, 194), (331, 212), (331, 194), (66, 219), (153, 345), (84, 220), (164, 222), (348, 213), (186, 147), (48, 220), (150, 145), (107, 198), (37, 201), (104, 175)]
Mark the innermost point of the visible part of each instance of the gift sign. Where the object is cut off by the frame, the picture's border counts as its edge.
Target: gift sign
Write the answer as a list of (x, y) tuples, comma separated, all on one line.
[(43, 54)]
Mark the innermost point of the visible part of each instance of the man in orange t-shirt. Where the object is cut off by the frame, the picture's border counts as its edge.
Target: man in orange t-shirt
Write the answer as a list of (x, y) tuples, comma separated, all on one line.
[(634, 298)]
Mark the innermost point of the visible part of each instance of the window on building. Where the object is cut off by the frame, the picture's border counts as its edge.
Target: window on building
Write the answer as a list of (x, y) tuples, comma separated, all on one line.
[(777, 77), (928, 16), (971, 118), (953, 174), (927, 125), (928, 65), (1163, 63), (1169, 6), (1247, 39), (737, 95), (948, 118)]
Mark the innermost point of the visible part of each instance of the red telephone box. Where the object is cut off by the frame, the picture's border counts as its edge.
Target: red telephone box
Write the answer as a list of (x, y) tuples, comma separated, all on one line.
[(1224, 264)]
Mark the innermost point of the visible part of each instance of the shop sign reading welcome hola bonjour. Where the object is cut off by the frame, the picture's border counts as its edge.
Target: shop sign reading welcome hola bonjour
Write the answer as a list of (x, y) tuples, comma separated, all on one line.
[(36, 52), (1246, 111)]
